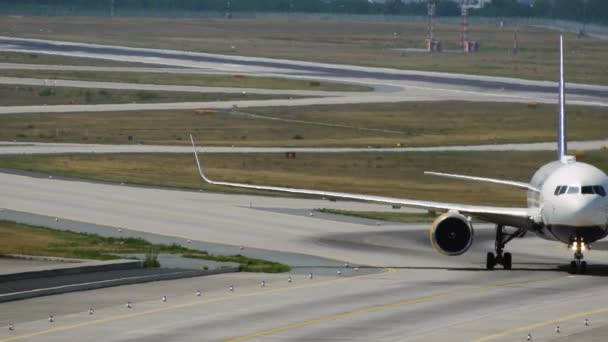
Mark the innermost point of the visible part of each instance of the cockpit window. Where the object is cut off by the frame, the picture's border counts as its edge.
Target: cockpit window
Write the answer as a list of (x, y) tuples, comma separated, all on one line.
[(593, 190), (585, 190), (556, 192), (573, 190)]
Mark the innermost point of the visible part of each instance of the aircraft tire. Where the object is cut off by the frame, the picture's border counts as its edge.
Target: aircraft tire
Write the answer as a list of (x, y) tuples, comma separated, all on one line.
[(490, 261), (572, 269), (583, 268), (507, 259)]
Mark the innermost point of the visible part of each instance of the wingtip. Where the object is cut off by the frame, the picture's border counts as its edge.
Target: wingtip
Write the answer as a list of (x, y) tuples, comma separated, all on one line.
[(193, 144), (198, 163)]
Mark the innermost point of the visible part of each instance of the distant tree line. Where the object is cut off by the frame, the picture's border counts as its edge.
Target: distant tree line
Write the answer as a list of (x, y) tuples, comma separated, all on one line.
[(578, 10)]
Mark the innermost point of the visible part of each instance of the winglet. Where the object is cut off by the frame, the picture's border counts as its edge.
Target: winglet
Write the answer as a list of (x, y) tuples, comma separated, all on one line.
[(198, 163), (562, 144)]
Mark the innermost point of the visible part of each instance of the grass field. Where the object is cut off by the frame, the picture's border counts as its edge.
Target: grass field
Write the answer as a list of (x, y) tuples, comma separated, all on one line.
[(388, 174), (394, 216), (337, 41), (33, 240), (452, 122), (423, 123), (247, 264), (17, 238), (36, 58), (23, 95), (233, 81)]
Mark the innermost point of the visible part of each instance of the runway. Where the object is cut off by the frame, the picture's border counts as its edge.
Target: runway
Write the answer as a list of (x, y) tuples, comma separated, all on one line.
[(416, 295), (390, 85)]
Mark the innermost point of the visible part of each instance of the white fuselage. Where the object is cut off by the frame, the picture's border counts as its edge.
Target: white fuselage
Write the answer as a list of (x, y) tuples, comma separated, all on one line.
[(572, 202)]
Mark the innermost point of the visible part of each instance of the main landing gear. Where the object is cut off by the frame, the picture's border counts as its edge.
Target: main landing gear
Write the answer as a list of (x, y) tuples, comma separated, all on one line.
[(578, 266), (502, 238)]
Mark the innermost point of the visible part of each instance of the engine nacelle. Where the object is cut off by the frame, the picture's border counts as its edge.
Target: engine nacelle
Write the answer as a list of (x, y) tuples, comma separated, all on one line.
[(451, 234)]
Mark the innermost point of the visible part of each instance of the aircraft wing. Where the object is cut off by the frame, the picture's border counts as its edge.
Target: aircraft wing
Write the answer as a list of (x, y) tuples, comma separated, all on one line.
[(519, 185), (510, 216)]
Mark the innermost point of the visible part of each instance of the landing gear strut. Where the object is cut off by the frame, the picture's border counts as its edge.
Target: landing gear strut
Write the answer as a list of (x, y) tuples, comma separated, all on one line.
[(578, 266), (502, 238)]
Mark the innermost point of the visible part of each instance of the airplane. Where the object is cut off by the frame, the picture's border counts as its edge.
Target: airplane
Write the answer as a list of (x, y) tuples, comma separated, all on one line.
[(566, 202)]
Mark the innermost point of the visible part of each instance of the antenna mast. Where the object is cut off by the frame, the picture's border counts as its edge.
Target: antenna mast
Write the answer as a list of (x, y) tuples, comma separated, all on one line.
[(432, 45)]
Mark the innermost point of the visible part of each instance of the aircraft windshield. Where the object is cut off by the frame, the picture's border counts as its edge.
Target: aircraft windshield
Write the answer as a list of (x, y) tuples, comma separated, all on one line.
[(584, 190), (573, 190)]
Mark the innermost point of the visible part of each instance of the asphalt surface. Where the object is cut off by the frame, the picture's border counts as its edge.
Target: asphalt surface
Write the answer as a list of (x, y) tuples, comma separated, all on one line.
[(415, 295), (11, 265), (91, 277), (16, 148)]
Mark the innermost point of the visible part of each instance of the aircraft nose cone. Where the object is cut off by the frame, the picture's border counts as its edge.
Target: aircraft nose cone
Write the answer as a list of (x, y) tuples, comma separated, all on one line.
[(589, 212), (582, 210)]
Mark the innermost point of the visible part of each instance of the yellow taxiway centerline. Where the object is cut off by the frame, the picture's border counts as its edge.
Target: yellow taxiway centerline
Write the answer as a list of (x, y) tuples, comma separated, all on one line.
[(381, 307), (182, 306), (527, 328)]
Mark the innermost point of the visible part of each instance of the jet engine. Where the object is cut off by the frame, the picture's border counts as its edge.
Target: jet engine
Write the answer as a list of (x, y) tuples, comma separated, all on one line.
[(451, 234)]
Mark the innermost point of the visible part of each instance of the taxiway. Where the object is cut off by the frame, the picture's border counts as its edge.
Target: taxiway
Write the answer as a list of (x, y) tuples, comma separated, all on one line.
[(415, 294)]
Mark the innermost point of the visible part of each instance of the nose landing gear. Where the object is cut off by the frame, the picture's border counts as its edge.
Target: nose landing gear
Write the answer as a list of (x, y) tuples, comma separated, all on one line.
[(502, 238), (578, 266)]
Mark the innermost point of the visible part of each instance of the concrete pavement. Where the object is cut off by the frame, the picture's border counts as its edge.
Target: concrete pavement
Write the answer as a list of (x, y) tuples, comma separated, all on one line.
[(16, 148), (421, 296)]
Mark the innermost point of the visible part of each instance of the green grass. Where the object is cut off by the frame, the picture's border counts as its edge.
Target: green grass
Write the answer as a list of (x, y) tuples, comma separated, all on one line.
[(383, 216), (24, 95), (246, 264), (386, 174), (443, 123), (151, 260), (370, 43), (202, 80), (43, 59), (17, 238), (25, 239), (419, 124)]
